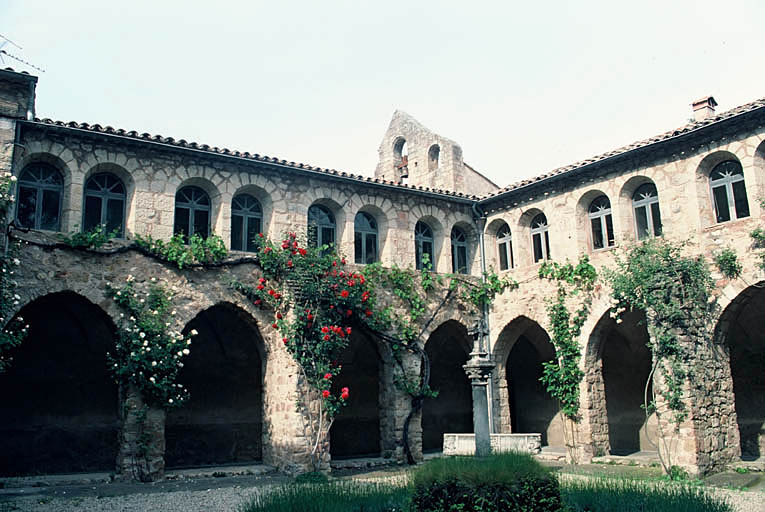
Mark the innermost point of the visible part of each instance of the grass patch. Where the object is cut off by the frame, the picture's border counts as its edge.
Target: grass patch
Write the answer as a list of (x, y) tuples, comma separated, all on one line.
[(343, 495), (606, 495), (502, 468)]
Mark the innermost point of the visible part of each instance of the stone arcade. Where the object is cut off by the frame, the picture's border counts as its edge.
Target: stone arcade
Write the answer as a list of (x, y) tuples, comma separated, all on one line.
[(61, 413)]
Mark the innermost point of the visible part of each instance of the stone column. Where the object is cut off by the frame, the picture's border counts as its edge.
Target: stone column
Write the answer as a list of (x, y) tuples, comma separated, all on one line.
[(142, 439), (479, 369)]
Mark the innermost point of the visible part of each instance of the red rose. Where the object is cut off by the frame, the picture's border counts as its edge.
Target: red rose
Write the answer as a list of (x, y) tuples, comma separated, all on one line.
[(257, 302), (294, 244), (325, 329), (274, 326), (326, 337), (267, 250), (289, 263), (271, 292), (348, 331), (344, 396), (327, 376), (344, 294), (325, 393), (260, 287), (334, 263), (262, 280), (344, 393), (260, 235), (284, 340), (348, 313), (277, 295), (285, 244), (310, 316), (302, 251), (279, 316), (342, 261), (368, 312)]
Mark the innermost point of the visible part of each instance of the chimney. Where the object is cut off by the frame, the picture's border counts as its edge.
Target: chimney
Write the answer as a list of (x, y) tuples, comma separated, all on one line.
[(703, 108)]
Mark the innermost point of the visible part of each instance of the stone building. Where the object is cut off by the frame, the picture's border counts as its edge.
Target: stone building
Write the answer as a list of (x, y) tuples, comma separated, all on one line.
[(701, 182)]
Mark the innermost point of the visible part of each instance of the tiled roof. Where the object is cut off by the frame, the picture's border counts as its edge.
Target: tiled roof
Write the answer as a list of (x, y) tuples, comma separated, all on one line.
[(181, 143), (666, 136)]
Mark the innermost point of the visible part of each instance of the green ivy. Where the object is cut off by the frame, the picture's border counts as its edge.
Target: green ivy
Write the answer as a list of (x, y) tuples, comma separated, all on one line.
[(148, 353), (94, 238), (563, 376), (13, 330), (183, 251), (728, 264), (674, 292)]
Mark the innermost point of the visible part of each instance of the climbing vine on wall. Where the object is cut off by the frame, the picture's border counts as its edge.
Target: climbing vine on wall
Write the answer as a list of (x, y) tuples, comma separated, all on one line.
[(563, 375), (12, 330), (317, 300), (148, 353)]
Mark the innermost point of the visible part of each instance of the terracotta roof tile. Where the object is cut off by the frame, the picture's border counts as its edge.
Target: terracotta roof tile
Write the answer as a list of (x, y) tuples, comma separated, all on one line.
[(688, 128)]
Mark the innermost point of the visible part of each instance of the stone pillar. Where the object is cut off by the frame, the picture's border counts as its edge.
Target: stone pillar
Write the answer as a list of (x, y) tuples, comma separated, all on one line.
[(142, 439), (479, 370)]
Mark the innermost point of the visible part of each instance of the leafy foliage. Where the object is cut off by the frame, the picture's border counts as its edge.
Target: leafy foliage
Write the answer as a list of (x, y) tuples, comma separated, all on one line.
[(727, 262), (181, 252), (148, 353), (563, 376), (758, 242), (674, 292), (91, 239), (13, 330)]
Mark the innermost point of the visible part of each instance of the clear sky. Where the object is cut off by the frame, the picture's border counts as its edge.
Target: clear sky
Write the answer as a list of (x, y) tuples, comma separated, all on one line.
[(523, 87)]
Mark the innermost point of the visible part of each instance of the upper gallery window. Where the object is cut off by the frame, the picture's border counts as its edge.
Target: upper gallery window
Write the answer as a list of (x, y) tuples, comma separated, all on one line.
[(364, 238), (645, 204), (321, 226), (459, 251), (104, 204), (246, 222), (601, 223), (505, 247), (423, 244), (39, 199), (192, 212), (540, 238), (729, 191)]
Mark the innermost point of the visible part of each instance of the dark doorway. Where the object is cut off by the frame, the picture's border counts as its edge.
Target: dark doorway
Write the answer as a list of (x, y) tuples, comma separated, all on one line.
[(356, 430), (222, 423), (59, 408), (532, 409), (746, 339), (452, 410), (626, 362)]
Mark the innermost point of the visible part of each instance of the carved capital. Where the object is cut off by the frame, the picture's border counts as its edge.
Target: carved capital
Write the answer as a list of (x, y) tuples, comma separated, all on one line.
[(479, 370)]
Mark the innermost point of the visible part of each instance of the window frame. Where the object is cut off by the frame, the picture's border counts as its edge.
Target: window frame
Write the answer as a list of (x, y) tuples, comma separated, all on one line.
[(727, 183), (602, 216), (541, 230), (316, 229), (459, 244), (647, 202), (40, 185), (193, 206), (252, 213), (505, 245), (423, 234), (361, 234), (105, 196)]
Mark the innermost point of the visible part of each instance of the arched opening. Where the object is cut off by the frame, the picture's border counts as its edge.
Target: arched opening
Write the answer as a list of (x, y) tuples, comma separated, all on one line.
[(742, 322), (532, 409), (433, 155), (625, 365), (60, 407), (222, 422), (452, 410), (356, 430)]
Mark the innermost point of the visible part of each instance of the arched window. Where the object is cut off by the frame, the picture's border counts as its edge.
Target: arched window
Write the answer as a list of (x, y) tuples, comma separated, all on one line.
[(540, 238), (39, 198), (246, 222), (459, 251), (321, 226), (645, 203), (601, 223), (433, 154), (400, 159), (423, 244), (729, 191), (365, 238), (505, 247), (104, 204), (192, 212)]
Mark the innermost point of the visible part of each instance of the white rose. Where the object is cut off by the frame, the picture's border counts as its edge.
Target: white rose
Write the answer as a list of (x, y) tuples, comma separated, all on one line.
[(186, 351)]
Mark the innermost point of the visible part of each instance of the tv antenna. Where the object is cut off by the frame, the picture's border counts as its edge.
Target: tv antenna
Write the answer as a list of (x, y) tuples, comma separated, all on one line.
[(4, 41)]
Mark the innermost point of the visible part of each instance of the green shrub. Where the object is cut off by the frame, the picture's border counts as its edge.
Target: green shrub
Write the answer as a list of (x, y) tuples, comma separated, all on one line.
[(508, 481), (728, 264), (339, 496), (607, 495)]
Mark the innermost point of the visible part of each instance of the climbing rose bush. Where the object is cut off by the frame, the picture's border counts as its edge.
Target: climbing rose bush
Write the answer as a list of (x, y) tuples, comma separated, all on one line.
[(149, 352)]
